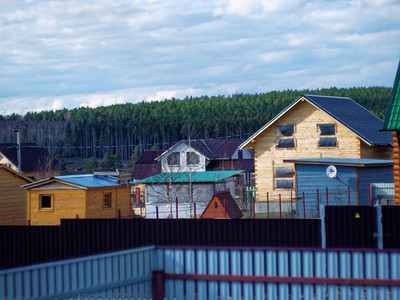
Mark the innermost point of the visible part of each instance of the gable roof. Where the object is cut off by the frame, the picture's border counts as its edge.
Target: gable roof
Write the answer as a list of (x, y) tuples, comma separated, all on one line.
[(32, 156), (227, 202), (186, 177), (80, 181), (147, 165), (14, 173), (363, 123), (212, 148), (392, 119)]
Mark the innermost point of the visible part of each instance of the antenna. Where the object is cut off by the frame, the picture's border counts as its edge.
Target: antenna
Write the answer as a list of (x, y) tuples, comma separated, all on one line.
[(331, 171)]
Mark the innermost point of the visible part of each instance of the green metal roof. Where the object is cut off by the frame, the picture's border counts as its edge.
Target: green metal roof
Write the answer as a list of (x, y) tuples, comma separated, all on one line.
[(392, 119), (185, 177)]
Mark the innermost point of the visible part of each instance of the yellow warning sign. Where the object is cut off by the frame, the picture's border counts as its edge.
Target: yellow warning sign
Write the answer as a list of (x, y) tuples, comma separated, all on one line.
[(357, 216)]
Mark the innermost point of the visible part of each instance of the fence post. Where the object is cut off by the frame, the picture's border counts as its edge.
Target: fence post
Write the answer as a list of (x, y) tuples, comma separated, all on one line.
[(119, 214), (158, 285), (304, 206), (318, 202), (268, 205), (379, 228), (225, 208), (280, 207), (323, 229), (369, 195), (176, 207), (194, 208), (254, 208), (157, 212)]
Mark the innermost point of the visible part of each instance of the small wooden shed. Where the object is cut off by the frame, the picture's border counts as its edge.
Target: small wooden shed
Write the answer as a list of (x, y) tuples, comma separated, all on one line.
[(222, 206), (83, 196)]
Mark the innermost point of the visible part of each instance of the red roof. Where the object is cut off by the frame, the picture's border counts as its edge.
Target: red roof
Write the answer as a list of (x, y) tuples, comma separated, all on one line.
[(226, 204), (146, 165)]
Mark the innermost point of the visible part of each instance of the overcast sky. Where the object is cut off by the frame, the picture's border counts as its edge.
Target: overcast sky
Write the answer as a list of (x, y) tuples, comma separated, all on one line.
[(67, 54)]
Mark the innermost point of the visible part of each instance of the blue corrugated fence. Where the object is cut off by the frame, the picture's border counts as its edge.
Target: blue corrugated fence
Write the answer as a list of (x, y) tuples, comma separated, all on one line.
[(117, 275)]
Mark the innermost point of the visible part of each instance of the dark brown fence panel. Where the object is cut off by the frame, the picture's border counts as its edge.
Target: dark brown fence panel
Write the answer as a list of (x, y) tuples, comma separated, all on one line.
[(350, 226), (23, 245), (391, 226)]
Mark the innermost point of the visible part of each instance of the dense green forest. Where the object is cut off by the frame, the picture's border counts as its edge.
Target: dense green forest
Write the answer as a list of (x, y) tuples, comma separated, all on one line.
[(119, 129)]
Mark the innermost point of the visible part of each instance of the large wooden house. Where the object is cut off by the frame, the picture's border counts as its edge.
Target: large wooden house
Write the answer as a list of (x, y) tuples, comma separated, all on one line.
[(12, 197), (312, 127), (77, 196)]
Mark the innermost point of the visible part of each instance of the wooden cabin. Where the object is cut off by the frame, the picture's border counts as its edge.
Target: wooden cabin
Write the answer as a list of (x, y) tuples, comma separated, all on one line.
[(12, 197), (77, 196), (312, 127), (222, 206)]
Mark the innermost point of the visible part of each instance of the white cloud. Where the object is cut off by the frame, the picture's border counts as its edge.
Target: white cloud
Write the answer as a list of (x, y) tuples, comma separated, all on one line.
[(73, 53)]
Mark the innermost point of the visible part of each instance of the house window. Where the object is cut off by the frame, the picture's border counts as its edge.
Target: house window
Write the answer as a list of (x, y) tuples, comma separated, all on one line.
[(285, 134), (285, 143), (45, 202), (107, 200), (283, 184), (174, 159), (240, 154), (283, 178), (327, 133), (192, 158), (327, 142), (327, 129), (286, 130)]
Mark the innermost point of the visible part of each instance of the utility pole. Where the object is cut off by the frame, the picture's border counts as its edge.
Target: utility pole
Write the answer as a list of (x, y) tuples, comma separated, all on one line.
[(18, 131)]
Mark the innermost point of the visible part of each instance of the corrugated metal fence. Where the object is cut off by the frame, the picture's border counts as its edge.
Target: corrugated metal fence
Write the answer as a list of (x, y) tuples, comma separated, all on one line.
[(211, 273), (221, 273), (118, 275)]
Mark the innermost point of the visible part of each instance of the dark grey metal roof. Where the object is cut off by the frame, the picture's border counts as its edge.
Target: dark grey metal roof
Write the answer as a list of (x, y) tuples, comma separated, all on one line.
[(351, 114)]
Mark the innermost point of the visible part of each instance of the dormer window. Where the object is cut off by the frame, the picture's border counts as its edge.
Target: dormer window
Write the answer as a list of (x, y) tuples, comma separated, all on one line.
[(174, 159), (192, 158), (327, 134), (285, 134)]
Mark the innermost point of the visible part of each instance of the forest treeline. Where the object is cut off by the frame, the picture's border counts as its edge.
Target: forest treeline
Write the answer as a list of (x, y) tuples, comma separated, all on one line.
[(122, 128)]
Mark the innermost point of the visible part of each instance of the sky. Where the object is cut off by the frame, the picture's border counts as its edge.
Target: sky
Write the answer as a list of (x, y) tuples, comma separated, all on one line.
[(68, 54)]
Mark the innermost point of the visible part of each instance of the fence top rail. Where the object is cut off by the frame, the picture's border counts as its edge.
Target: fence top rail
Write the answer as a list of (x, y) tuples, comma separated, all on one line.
[(77, 259), (241, 248)]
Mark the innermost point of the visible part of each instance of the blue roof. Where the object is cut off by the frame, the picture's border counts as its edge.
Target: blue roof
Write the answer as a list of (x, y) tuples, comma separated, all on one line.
[(362, 162), (351, 114), (89, 180)]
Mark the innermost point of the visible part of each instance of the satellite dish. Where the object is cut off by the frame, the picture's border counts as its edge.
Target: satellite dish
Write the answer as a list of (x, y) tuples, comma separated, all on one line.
[(331, 171)]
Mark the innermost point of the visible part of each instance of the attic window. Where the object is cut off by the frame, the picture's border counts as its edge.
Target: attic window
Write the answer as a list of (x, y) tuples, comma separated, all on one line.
[(327, 135), (327, 129), (285, 143), (286, 130), (327, 142), (45, 202), (174, 159), (192, 158)]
